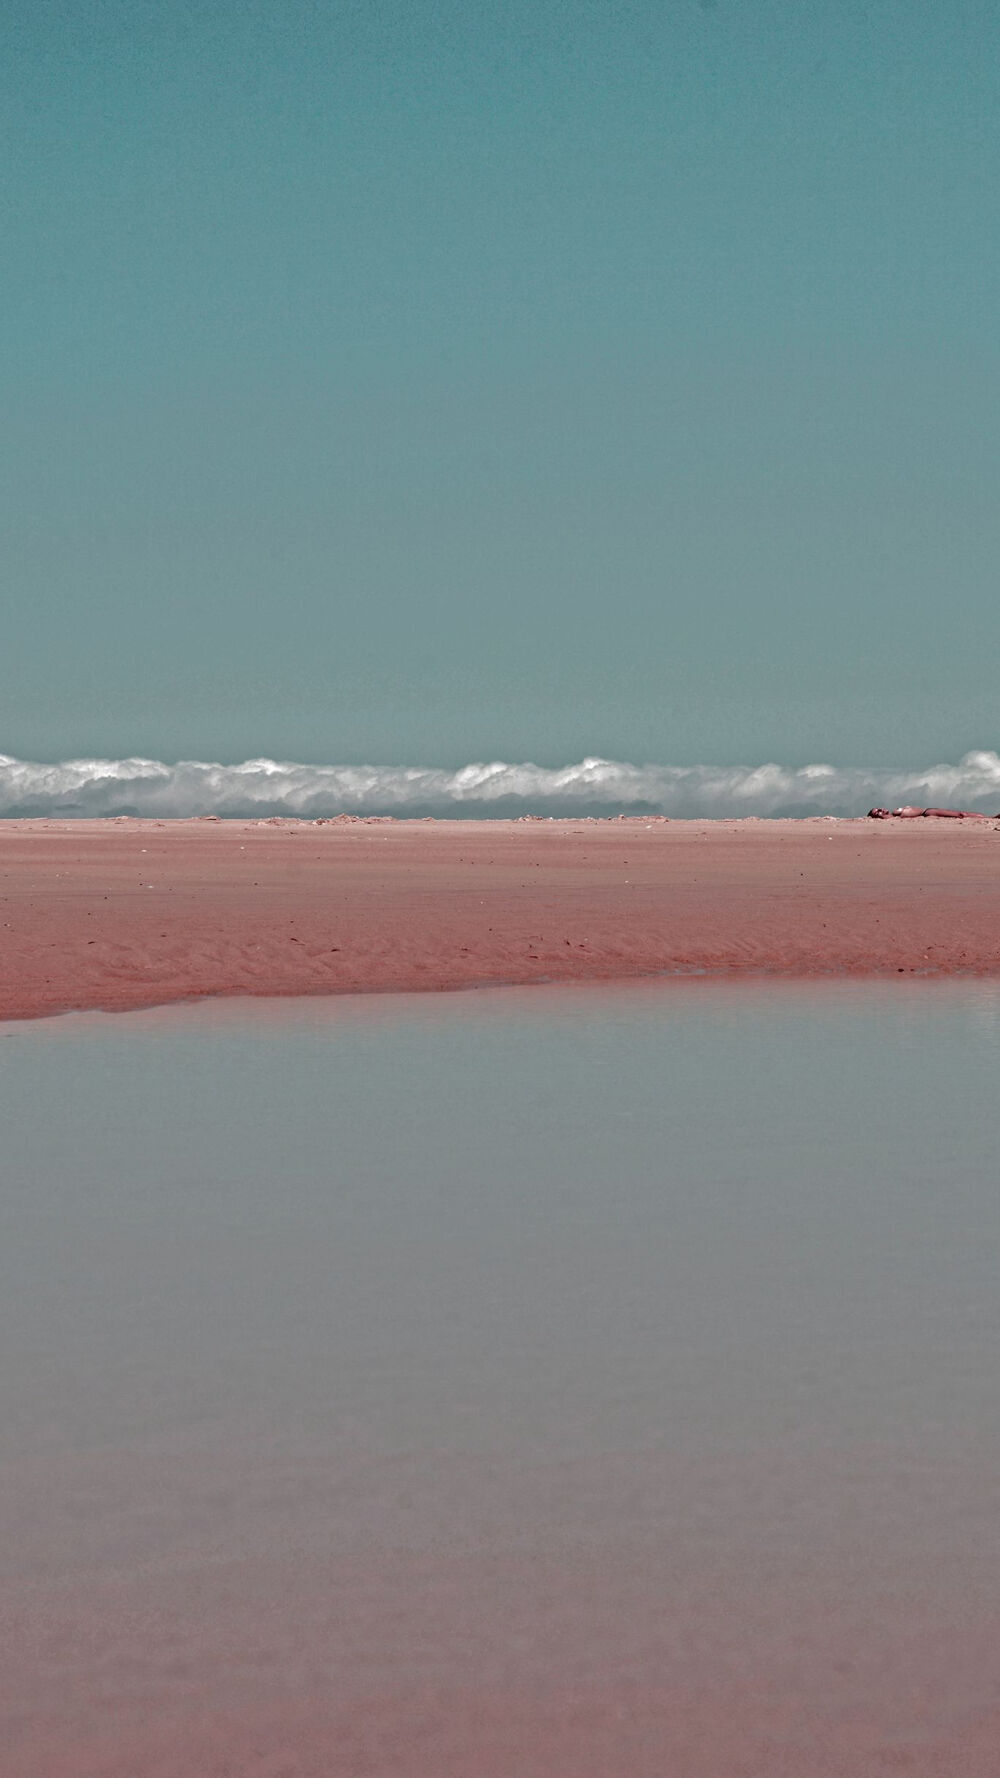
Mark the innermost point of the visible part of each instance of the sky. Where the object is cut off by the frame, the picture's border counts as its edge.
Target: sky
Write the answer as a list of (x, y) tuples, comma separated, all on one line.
[(425, 382)]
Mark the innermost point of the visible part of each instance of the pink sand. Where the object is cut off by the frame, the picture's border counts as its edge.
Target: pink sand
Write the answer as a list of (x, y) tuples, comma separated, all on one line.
[(120, 914)]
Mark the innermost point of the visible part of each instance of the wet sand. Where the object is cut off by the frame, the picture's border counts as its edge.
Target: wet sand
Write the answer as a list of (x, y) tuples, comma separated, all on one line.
[(127, 913), (577, 1658)]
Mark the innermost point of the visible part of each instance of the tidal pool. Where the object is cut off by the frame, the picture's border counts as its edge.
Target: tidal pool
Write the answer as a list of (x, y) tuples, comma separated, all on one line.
[(532, 1382)]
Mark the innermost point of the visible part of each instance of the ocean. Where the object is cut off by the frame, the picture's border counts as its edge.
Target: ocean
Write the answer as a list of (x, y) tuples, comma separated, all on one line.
[(596, 787)]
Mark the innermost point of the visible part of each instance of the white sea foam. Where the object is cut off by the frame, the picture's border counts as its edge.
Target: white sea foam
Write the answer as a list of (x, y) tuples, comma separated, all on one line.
[(594, 786)]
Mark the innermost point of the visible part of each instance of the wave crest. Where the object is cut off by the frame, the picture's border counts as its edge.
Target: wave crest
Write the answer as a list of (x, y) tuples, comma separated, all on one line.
[(259, 787)]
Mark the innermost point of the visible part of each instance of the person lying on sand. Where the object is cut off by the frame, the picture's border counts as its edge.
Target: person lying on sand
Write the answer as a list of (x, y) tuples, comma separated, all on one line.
[(909, 813)]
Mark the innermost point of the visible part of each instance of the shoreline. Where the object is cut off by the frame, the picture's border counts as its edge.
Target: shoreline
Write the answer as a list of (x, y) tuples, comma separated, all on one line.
[(126, 913)]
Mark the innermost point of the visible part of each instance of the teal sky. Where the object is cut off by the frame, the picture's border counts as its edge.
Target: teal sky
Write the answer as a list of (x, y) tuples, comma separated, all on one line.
[(429, 381)]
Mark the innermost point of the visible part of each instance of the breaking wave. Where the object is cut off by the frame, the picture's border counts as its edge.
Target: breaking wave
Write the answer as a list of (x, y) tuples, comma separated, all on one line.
[(262, 787)]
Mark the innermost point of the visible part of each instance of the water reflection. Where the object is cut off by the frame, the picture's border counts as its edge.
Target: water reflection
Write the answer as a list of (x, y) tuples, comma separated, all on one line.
[(689, 1291)]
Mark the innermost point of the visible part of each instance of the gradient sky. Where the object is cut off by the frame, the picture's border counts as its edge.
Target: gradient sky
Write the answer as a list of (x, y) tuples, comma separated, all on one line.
[(435, 381)]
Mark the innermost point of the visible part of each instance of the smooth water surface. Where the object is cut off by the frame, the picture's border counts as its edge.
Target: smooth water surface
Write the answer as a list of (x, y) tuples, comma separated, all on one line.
[(547, 1382)]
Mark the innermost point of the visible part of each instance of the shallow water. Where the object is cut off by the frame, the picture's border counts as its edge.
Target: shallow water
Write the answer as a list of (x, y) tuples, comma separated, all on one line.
[(503, 1382)]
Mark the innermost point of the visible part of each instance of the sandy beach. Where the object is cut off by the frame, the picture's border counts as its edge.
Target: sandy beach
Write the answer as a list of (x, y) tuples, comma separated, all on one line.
[(126, 913)]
